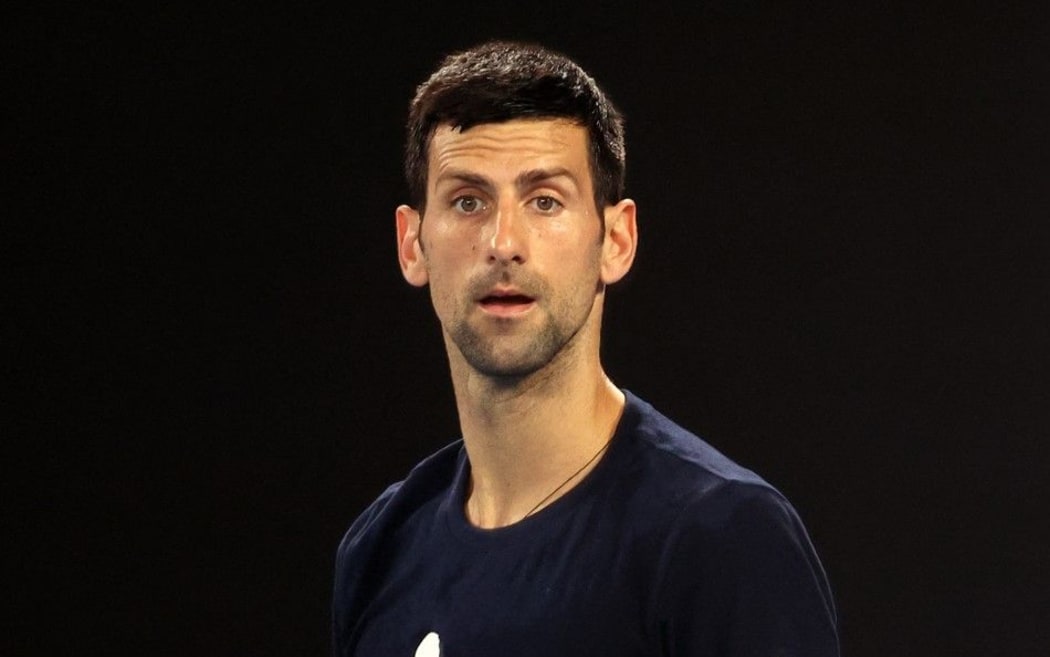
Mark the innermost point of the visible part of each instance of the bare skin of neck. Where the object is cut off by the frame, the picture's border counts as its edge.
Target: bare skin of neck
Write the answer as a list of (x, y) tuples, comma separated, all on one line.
[(527, 436)]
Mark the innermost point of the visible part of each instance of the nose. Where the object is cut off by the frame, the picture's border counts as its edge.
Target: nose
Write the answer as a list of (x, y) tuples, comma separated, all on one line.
[(509, 240)]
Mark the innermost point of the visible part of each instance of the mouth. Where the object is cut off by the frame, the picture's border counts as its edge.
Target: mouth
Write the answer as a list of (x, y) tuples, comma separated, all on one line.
[(506, 303)]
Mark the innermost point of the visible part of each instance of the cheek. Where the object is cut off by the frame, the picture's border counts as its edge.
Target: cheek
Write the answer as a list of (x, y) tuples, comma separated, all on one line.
[(447, 272), (451, 241), (442, 297), (575, 233), (574, 248)]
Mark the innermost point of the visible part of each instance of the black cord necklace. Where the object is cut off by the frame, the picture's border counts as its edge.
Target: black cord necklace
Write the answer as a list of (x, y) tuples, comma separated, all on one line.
[(571, 477)]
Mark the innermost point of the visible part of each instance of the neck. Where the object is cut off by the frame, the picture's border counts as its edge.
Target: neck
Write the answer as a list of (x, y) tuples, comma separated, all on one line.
[(532, 440)]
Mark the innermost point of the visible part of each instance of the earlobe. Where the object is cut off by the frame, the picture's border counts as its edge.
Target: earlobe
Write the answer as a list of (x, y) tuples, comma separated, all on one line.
[(409, 250), (621, 241)]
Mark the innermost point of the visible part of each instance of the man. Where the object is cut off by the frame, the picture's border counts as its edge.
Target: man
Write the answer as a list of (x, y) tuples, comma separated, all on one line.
[(572, 518)]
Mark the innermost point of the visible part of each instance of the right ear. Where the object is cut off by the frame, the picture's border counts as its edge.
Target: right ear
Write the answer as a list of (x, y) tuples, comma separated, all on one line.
[(409, 250)]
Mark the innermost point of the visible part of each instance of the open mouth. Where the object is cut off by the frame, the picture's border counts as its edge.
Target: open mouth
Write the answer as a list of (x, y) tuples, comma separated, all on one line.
[(506, 303)]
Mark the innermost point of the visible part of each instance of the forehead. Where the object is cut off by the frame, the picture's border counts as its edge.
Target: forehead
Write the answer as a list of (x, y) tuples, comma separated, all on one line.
[(509, 147)]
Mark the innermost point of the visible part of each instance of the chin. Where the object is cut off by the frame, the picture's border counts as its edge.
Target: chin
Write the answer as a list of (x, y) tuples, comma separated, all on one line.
[(513, 358), (502, 369)]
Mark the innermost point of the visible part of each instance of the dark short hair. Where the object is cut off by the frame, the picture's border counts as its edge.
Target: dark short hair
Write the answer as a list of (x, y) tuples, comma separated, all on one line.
[(499, 81)]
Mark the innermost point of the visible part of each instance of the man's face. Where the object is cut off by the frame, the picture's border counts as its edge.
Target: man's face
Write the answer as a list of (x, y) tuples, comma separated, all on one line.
[(511, 242)]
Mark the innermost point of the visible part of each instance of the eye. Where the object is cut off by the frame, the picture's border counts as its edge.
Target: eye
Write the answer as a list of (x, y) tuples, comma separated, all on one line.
[(547, 204), (468, 204)]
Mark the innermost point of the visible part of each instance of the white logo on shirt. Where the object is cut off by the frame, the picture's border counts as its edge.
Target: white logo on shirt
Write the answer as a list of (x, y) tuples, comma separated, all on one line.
[(430, 646)]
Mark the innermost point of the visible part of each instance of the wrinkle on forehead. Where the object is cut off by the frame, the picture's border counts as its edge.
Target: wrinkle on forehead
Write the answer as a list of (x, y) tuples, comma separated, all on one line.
[(511, 142)]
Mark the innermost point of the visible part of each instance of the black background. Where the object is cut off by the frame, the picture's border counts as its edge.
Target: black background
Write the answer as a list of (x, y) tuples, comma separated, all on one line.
[(215, 364)]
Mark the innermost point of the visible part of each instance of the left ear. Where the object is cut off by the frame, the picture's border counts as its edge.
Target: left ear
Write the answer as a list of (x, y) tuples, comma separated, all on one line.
[(621, 240)]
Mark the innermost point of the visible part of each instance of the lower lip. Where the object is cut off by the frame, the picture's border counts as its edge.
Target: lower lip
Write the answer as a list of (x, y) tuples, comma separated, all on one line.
[(507, 309)]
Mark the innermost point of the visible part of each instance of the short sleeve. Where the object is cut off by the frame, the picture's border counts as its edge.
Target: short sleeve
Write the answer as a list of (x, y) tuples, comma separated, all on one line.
[(352, 556), (740, 577)]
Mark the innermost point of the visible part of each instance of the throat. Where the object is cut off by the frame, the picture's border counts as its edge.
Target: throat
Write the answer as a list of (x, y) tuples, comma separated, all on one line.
[(491, 507)]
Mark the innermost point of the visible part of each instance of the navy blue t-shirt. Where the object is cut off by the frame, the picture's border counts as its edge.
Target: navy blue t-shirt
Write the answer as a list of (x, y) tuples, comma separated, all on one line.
[(666, 548)]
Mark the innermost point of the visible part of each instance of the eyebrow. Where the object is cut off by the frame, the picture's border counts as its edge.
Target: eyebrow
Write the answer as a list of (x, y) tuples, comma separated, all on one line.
[(533, 176), (523, 180), (465, 177)]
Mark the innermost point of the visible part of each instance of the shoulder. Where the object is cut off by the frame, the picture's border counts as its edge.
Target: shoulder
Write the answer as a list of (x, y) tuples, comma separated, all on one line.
[(734, 561), (681, 464), (711, 497), (427, 482)]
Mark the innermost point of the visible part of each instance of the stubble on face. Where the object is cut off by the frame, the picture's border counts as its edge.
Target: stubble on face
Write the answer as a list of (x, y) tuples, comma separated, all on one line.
[(506, 352)]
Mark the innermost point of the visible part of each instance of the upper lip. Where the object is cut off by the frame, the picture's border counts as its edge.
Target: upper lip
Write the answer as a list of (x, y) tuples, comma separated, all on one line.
[(502, 292)]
